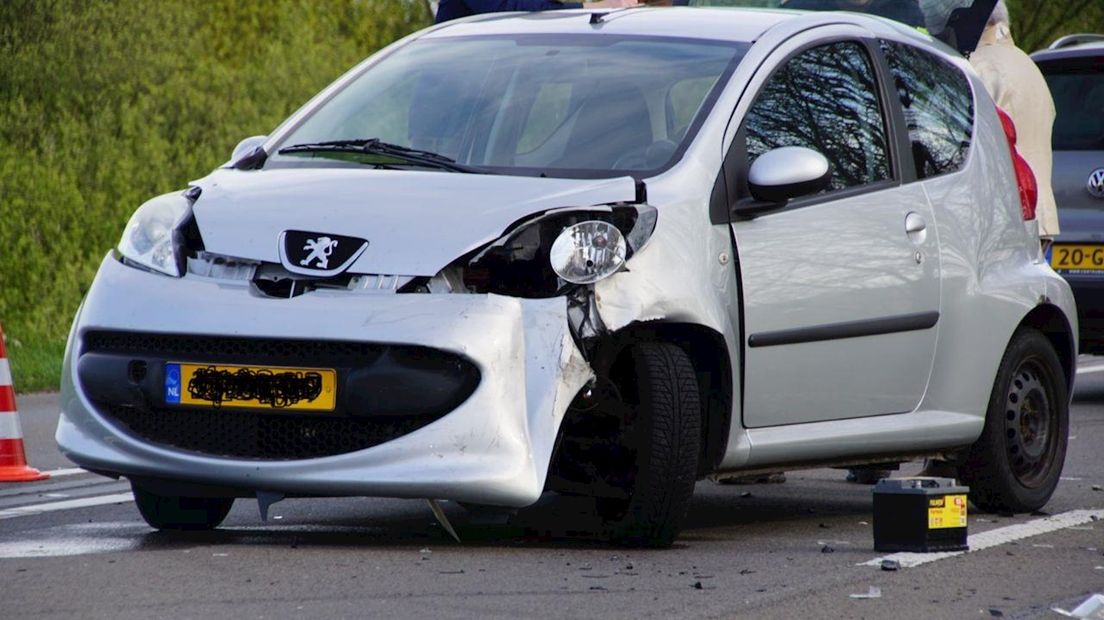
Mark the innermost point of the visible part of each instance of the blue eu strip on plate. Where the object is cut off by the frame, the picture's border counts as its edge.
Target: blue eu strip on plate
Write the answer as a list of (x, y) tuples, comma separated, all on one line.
[(172, 384)]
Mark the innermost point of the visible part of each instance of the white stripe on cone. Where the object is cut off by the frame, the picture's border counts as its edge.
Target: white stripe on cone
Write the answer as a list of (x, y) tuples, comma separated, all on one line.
[(9, 426), (5, 372)]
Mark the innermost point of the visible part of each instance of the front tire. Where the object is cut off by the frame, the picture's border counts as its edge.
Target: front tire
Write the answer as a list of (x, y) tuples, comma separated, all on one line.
[(164, 512), (664, 437), (1016, 463)]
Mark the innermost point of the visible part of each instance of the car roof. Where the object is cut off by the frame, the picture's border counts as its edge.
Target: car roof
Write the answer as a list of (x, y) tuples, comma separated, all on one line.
[(1079, 50), (723, 24)]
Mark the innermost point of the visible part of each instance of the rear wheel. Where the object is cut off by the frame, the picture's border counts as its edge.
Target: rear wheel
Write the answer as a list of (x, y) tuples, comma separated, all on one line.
[(165, 512), (1015, 464), (662, 441)]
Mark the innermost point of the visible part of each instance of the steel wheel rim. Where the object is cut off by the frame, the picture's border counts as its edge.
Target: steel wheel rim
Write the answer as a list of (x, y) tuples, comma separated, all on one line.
[(1030, 423)]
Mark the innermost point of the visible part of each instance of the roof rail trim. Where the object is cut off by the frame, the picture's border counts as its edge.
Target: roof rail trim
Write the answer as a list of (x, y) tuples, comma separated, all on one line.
[(1076, 39)]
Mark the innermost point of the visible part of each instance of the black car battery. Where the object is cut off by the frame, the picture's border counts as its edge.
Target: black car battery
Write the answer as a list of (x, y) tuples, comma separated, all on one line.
[(920, 514)]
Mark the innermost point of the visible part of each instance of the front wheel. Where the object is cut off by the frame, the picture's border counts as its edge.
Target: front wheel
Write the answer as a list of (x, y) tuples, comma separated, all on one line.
[(165, 512), (658, 381), (1015, 464)]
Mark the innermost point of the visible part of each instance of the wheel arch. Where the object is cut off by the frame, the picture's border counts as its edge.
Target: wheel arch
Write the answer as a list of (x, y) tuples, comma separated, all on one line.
[(712, 364), (1053, 323)]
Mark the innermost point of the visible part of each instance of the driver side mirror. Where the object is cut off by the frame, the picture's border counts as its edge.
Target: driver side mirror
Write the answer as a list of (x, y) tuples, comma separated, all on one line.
[(782, 174)]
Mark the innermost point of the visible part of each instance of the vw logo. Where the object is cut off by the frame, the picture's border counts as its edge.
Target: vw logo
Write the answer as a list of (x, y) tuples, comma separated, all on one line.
[(1096, 183)]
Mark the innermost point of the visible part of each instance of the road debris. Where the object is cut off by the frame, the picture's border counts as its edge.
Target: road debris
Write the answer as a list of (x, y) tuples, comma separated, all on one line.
[(891, 565), (1097, 487), (873, 592), (1091, 609), (442, 519), (827, 549)]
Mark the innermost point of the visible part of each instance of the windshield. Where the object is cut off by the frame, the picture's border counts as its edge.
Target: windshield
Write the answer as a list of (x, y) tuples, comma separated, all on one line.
[(568, 106)]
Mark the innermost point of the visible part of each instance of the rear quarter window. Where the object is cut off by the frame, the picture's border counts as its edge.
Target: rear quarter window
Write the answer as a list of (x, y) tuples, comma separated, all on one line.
[(938, 105)]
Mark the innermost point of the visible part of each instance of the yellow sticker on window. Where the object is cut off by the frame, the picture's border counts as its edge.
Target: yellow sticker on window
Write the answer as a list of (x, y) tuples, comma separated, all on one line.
[(947, 512)]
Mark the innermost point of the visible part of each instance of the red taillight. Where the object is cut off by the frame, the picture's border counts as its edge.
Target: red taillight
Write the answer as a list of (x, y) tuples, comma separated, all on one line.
[(1025, 177)]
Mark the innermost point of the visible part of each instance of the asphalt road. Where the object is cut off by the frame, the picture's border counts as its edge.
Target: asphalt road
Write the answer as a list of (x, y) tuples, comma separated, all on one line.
[(792, 550)]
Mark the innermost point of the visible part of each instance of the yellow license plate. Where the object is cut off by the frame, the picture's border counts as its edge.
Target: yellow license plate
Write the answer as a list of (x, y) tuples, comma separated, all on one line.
[(252, 387), (1069, 256)]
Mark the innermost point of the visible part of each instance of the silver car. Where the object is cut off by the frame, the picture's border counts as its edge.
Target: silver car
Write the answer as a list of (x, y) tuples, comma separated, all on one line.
[(601, 254)]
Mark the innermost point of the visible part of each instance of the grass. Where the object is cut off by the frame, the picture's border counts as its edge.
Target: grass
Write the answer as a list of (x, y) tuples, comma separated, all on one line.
[(35, 368)]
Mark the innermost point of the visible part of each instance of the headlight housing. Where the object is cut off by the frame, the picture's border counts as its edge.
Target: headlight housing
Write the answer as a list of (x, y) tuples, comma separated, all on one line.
[(152, 239), (588, 252), (523, 262)]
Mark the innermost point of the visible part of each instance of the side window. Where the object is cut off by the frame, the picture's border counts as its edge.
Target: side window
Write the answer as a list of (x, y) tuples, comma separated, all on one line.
[(826, 99), (939, 108)]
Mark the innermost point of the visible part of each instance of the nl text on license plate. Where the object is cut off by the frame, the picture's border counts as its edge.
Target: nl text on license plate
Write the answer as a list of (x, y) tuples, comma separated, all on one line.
[(252, 387), (1069, 256)]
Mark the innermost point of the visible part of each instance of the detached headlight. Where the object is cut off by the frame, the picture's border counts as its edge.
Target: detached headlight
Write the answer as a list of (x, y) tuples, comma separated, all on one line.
[(151, 238), (588, 252)]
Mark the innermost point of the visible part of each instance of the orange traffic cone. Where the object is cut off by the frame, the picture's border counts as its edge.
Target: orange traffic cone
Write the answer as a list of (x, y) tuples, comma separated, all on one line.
[(13, 459)]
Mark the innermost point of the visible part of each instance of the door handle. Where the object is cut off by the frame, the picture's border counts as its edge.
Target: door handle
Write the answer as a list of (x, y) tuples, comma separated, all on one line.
[(914, 223)]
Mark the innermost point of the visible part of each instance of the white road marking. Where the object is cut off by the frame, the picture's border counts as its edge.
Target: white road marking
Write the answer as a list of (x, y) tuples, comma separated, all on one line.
[(1083, 370), (997, 536), (69, 504), (70, 471)]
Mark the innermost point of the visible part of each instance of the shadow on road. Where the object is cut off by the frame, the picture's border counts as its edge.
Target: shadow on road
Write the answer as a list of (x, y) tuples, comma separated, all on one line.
[(555, 521)]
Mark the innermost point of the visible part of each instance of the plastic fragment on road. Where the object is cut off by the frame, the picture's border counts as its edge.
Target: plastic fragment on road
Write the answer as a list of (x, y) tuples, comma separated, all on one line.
[(265, 500), (891, 565), (1091, 609), (442, 519), (873, 592)]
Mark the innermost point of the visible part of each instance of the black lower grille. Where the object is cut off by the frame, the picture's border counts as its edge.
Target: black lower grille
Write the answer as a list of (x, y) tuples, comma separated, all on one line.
[(218, 348), (248, 434), (383, 392)]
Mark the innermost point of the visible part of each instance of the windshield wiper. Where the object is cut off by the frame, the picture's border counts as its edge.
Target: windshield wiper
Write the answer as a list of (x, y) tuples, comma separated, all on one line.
[(375, 146)]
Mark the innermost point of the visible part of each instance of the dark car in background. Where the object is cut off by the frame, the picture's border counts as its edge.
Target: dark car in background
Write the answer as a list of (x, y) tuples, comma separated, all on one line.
[(1074, 70)]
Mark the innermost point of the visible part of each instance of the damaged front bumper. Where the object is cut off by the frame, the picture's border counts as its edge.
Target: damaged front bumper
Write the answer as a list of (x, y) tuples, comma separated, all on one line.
[(493, 448)]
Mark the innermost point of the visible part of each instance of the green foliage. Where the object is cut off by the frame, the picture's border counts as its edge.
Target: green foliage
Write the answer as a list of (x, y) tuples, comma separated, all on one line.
[(104, 105), (1037, 23)]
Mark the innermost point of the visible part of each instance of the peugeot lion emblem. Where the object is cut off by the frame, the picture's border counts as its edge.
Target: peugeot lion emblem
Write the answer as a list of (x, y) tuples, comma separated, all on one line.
[(318, 254), (1096, 183), (320, 250)]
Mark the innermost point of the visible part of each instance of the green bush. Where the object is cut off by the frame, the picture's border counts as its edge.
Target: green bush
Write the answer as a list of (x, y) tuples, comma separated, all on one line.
[(106, 104)]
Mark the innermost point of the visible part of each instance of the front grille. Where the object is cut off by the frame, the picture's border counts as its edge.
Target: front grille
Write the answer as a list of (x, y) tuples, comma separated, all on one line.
[(383, 392), (248, 434)]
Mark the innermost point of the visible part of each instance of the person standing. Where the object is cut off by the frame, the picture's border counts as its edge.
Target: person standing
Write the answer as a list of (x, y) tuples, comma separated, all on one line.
[(453, 9), (1019, 88)]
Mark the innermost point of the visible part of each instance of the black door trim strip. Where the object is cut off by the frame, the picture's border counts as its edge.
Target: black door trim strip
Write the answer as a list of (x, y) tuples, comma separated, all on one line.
[(850, 329)]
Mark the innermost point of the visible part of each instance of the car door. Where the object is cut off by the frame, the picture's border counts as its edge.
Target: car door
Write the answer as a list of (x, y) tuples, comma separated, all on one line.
[(840, 290)]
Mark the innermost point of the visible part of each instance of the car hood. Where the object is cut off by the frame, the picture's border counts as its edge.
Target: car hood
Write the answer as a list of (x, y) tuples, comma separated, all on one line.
[(415, 222)]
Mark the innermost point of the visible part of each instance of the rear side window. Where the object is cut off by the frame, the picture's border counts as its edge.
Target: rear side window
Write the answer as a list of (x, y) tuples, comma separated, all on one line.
[(825, 98), (1077, 85), (938, 105)]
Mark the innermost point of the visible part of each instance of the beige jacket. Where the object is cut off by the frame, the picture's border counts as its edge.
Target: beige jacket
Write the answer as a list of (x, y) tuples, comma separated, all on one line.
[(1018, 87)]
